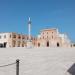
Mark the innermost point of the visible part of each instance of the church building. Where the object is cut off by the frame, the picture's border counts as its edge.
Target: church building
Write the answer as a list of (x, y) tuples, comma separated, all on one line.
[(52, 38)]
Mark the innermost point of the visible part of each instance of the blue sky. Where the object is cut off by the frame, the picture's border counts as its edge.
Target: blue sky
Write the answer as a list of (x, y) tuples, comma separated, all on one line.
[(44, 14)]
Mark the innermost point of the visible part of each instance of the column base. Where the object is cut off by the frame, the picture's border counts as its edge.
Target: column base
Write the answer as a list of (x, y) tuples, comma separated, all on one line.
[(29, 44)]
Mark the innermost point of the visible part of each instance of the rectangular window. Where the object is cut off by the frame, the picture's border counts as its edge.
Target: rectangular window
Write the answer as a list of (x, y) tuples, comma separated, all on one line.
[(52, 32), (23, 37), (10, 36), (4, 36), (52, 37), (47, 32), (43, 33), (14, 36), (43, 37), (0, 37), (19, 37)]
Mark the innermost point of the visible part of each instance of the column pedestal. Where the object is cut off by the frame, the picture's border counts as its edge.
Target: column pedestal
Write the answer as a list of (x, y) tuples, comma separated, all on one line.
[(29, 44)]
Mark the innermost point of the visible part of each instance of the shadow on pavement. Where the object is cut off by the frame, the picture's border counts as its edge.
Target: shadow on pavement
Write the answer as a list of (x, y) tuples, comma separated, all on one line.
[(71, 70)]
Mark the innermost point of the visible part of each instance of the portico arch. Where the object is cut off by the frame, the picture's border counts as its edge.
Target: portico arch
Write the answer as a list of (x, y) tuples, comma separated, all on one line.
[(58, 44), (38, 44), (47, 44)]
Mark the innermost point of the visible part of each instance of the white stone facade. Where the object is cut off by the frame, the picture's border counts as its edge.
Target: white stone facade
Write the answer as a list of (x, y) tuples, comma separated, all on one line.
[(52, 38), (4, 38), (46, 38), (13, 39)]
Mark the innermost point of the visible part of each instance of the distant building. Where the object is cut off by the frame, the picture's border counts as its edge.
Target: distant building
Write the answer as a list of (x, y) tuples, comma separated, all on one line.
[(46, 38), (52, 38), (12, 39), (72, 44)]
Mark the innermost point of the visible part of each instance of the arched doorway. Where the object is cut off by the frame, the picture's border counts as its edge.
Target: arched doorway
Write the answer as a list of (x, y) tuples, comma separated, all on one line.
[(38, 44), (47, 43), (1, 45), (58, 44), (5, 44)]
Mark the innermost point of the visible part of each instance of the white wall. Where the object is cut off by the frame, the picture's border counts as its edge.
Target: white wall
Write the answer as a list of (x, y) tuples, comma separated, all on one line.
[(2, 39)]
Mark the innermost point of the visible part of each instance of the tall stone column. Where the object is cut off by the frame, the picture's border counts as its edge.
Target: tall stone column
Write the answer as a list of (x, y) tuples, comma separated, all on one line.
[(29, 41)]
